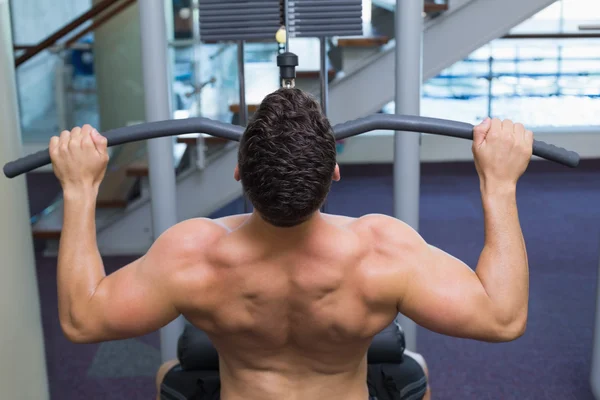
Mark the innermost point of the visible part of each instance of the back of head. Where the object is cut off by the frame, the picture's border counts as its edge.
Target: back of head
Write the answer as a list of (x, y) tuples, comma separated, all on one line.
[(287, 158)]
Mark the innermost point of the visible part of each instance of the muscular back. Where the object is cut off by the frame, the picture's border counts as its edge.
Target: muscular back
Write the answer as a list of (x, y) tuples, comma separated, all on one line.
[(296, 306), (290, 307)]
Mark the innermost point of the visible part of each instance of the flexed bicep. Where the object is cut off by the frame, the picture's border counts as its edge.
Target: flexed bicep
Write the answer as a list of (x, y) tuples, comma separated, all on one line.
[(435, 289), (146, 294), (131, 302), (444, 295)]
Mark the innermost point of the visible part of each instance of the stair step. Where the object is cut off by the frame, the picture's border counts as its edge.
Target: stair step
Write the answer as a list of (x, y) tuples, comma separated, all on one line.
[(431, 7), (140, 168), (192, 140), (435, 7), (49, 227), (46, 235), (116, 203), (137, 170), (363, 41), (314, 74), (235, 108), (117, 185), (371, 37)]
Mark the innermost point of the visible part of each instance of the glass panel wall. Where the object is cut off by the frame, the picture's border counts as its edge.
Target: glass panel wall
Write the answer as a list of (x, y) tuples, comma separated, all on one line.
[(541, 82)]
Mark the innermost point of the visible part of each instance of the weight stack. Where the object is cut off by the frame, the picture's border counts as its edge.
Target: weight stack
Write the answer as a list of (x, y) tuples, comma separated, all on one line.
[(252, 20), (324, 18), (232, 20)]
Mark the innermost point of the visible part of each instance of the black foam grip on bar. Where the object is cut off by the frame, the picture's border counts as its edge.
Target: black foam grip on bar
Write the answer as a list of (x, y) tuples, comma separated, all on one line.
[(27, 163), (555, 153), (442, 127), (133, 134)]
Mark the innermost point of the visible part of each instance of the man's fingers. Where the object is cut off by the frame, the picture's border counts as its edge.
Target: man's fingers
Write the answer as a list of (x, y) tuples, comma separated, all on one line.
[(76, 133), (100, 141), (86, 131), (507, 127), (519, 130), (54, 141), (65, 137), (87, 142), (87, 128), (75, 139), (484, 126), (480, 131), (529, 138), (54, 146), (496, 128)]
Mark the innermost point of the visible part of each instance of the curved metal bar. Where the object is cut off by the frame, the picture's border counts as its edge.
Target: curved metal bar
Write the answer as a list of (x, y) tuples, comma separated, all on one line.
[(133, 134), (408, 123), (342, 131), (445, 128)]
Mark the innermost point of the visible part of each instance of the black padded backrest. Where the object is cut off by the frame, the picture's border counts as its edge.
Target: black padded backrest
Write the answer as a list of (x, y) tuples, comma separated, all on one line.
[(196, 352)]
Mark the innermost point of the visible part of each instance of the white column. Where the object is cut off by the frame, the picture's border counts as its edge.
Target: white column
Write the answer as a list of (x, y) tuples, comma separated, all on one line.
[(22, 358), (161, 163), (407, 162)]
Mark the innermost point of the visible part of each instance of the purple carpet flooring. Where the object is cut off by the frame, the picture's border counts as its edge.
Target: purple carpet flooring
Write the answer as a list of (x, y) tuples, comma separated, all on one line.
[(560, 215)]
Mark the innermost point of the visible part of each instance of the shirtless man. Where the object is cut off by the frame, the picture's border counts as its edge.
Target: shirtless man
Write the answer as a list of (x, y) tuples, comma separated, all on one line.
[(290, 297)]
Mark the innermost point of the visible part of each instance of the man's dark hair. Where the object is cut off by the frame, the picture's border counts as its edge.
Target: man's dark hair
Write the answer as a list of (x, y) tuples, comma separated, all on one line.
[(287, 157)]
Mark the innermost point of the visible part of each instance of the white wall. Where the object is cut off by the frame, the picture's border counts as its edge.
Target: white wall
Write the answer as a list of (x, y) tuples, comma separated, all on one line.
[(118, 69), (22, 358), (33, 21)]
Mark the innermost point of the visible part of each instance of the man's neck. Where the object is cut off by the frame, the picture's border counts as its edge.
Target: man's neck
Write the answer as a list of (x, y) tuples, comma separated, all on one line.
[(257, 224)]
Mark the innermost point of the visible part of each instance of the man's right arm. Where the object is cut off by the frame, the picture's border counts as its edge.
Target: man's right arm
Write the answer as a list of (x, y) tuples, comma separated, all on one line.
[(439, 291)]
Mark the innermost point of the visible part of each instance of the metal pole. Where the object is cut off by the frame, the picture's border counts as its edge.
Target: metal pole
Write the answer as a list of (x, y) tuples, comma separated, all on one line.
[(324, 77), (242, 80), (559, 62), (195, 18), (407, 168), (286, 11), (490, 85), (196, 22), (22, 356), (160, 151), (243, 112), (61, 94)]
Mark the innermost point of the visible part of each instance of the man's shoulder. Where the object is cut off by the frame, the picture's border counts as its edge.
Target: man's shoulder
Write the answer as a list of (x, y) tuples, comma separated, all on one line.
[(365, 220), (184, 245), (191, 235), (382, 224), (388, 233)]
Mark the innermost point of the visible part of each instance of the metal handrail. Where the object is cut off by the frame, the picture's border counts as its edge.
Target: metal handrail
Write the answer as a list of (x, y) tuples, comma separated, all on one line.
[(58, 48), (100, 21), (573, 35), (589, 27), (65, 30)]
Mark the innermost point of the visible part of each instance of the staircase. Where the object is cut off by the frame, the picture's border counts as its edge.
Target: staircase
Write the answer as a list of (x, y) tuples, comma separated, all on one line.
[(361, 78), (448, 38)]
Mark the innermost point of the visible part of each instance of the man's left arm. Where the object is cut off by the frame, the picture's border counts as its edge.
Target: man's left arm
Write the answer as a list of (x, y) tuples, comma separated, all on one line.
[(93, 307)]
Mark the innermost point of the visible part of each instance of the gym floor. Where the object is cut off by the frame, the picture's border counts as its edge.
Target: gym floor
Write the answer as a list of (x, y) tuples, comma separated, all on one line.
[(560, 216)]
